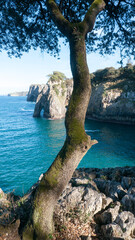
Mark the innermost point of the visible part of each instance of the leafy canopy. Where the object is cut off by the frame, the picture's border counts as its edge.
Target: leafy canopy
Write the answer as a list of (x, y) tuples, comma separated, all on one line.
[(28, 23)]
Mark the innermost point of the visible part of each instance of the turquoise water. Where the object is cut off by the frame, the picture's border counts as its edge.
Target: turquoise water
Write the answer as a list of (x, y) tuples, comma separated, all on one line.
[(29, 145)]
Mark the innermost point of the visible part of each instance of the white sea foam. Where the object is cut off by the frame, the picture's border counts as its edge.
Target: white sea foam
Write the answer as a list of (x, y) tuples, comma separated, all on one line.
[(96, 130), (26, 110)]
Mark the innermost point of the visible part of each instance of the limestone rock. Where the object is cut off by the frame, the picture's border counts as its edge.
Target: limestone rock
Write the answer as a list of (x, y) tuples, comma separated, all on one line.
[(3, 199), (85, 200), (54, 98), (83, 197), (126, 221), (34, 91), (111, 188), (127, 182), (128, 202), (108, 216), (112, 231), (113, 95), (93, 201), (112, 99)]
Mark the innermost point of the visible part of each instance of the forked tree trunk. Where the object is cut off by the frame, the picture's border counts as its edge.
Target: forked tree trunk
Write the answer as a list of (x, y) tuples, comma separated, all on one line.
[(76, 145)]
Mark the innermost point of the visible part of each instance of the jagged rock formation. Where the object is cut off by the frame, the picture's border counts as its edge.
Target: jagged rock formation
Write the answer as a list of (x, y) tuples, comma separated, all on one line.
[(34, 91), (112, 99), (103, 197), (113, 95), (54, 97)]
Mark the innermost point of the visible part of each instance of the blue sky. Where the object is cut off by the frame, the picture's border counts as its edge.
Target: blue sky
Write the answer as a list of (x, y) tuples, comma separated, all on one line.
[(17, 74)]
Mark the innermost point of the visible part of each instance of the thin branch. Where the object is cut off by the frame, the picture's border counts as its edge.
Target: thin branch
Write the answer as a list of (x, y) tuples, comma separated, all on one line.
[(63, 24), (96, 7), (133, 5)]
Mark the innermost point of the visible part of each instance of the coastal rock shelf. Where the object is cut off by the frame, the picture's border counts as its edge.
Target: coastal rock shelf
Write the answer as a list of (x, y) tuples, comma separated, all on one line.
[(106, 196), (112, 98), (96, 202)]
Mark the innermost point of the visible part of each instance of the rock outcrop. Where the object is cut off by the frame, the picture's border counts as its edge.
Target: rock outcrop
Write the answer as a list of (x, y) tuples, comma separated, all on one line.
[(113, 95), (54, 97), (112, 99), (34, 91), (102, 195), (95, 200)]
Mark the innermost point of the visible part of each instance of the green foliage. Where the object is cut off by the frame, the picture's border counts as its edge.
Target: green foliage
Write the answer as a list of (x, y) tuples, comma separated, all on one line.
[(26, 24), (104, 177), (57, 77), (50, 236), (56, 89), (63, 92), (63, 85)]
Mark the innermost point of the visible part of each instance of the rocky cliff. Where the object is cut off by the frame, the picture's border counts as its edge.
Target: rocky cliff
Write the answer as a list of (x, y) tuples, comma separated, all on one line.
[(112, 99), (34, 91), (54, 97), (113, 95)]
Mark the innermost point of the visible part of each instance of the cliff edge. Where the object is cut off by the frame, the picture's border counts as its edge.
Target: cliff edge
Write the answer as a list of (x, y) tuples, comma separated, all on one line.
[(113, 95), (112, 98)]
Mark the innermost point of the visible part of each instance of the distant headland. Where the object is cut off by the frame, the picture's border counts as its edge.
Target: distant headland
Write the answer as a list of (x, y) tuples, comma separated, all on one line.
[(18, 94)]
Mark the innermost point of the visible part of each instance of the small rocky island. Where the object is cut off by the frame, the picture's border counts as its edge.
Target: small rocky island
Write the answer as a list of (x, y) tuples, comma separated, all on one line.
[(112, 98), (52, 97)]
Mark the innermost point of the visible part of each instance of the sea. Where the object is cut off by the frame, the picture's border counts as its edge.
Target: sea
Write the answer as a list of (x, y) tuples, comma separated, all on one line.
[(29, 145)]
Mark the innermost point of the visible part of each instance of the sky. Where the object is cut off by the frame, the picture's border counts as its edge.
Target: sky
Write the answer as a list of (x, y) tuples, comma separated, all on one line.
[(17, 74)]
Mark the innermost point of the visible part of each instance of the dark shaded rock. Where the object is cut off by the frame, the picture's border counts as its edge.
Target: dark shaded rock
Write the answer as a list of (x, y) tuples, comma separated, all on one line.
[(110, 188), (109, 215), (128, 202), (34, 91), (127, 182), (112, 231)]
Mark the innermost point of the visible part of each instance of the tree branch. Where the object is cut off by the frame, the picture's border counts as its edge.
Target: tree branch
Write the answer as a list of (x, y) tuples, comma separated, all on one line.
[(133, 5), (96, 7), (60, 21)]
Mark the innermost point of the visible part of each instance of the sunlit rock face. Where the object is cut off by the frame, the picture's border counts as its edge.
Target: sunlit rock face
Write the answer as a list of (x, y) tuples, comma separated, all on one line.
[(54, 97), (112, 98), (113, 95)]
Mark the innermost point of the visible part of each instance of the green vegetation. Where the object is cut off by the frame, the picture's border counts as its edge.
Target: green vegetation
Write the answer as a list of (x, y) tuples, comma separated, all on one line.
[(57, 77), (56, 89), (104, 177)]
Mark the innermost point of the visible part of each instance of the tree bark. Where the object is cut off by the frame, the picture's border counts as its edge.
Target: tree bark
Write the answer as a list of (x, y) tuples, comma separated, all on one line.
[(77, 142), (76, 145)]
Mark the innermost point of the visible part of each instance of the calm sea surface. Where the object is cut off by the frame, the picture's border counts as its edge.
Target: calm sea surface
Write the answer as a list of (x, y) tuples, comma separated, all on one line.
[(29, 145)]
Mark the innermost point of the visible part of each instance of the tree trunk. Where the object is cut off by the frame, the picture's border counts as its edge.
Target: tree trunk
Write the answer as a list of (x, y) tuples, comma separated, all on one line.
[(76, 145)]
